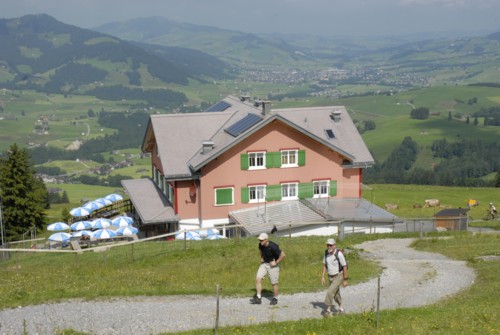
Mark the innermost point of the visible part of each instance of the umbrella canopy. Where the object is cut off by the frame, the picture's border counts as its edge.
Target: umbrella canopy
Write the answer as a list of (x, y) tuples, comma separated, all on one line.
[(101, 223), (59, 237), (114, 197), (104, 234), (82, 233), (215, 237), (205, 233), (103, 201), (79, 211), (57, 226), (81, 225), (189, 235), (127, 231), (122, 221), (92, 206)]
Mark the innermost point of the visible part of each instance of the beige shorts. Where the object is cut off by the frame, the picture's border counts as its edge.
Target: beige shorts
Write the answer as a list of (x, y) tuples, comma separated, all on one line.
[(266, 270)]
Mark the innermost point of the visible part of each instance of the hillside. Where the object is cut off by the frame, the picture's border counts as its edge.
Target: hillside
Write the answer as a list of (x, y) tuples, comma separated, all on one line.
[(231, 46), (43, 54)]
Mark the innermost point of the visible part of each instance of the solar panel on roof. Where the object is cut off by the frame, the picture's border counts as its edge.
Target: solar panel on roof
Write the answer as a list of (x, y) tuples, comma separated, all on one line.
[(243, 124), (329, 133), (218, 107)]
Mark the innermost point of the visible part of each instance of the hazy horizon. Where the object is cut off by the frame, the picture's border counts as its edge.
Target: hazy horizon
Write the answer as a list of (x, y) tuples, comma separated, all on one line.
[(318, 17)]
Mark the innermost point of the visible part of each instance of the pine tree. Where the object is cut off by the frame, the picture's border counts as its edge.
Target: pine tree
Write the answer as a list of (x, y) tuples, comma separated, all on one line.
[(24, 196), (497, 179)]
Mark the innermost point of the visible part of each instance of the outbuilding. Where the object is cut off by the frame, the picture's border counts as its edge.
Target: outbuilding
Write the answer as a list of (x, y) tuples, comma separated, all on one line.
[(452, 218)]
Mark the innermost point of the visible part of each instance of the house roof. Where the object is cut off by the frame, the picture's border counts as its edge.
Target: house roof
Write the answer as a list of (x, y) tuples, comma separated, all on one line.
[(452, 212), (149, 202), (180, 137)]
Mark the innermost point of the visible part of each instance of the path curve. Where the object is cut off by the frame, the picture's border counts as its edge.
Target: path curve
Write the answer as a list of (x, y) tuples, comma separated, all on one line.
[(411, 278)]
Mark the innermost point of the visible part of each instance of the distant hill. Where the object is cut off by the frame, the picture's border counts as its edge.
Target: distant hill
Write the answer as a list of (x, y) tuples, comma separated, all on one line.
[(422, 59), (228, 45), (41, 53)]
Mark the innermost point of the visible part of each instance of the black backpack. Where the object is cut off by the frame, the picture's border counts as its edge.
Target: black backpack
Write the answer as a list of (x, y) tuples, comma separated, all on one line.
[(337, 257)]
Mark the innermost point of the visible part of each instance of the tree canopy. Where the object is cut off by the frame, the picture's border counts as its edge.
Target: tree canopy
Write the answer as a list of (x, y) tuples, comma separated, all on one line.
[(24, 197)]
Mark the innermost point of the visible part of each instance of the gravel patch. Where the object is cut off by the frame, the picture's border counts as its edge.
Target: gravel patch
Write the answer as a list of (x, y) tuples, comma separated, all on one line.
[(410, 278)]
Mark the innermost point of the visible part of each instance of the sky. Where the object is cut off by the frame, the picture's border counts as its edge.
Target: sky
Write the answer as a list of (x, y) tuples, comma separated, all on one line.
[(318, 17)]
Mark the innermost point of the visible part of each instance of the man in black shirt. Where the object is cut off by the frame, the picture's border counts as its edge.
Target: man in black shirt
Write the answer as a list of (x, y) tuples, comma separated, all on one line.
[(270, 257)]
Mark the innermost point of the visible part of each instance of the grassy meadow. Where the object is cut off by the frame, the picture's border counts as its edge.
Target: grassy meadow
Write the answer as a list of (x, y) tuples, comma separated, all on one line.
[(146, 269)]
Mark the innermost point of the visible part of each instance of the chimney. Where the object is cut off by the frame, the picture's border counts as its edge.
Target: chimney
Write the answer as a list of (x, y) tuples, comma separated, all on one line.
[(207, 146), (244, 98), (265, 105), (335, 116)]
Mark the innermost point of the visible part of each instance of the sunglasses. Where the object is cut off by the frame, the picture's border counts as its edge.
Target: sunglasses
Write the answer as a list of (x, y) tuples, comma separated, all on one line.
[(330, 245)]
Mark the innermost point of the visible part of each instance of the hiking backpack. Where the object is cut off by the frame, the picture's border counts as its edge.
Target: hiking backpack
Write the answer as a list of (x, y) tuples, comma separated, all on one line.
[(336, 253)]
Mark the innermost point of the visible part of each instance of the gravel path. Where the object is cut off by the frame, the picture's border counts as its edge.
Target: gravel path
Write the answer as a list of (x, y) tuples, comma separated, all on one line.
[(411, 278)]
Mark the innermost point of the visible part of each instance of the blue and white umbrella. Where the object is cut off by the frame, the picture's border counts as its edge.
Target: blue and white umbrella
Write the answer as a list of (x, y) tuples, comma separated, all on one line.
[(57, 226), (114, 197), (216, 237), (92, 206), (103, 201), (126, 231), (101, 223), (82, 233), (122, 221), (81, 225), (59, 237), (79, 211), (190, 235), (102, 234)]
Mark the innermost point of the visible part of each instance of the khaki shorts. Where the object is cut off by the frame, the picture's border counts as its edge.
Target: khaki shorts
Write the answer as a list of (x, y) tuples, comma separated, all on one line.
[(266, 270)]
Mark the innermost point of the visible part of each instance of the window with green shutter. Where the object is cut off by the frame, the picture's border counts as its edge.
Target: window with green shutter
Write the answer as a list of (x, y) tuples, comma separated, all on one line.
[(224, 196)]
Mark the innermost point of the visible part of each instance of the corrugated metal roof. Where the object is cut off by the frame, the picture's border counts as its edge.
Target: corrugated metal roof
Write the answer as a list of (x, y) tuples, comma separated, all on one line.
[(353, 209), (300, 213), (263, 218), (149, 202)]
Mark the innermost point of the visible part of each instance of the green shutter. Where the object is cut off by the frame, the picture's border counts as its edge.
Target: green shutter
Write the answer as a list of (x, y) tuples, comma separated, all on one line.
[(244, 161), (333, 188), (302, 157), (273, 193), (277, 160), (273, 160), (224, 196), (305, 190), (245, 195)]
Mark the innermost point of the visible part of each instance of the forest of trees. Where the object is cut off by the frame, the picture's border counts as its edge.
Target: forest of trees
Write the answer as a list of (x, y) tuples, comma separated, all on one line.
[(463, 163)]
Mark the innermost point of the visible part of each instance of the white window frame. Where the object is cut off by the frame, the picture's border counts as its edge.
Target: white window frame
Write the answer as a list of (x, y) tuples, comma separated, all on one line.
[(290, 158), (321, 188), (256, 193), (257, 160), (289, 191)]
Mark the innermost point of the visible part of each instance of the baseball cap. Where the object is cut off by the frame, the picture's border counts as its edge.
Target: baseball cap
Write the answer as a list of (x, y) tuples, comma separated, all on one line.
[(330, 241), (263, 236)]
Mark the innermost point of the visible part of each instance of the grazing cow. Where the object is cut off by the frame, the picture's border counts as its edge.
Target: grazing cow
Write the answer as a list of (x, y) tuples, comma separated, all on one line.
[(431, 203), (391, 206)]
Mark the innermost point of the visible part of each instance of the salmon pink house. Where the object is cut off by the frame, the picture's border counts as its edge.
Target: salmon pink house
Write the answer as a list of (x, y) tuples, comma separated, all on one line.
[(240, 162)]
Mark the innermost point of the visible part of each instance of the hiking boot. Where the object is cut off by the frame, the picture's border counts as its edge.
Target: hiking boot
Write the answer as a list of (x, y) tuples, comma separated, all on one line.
[(341, 310), (327, 314), (256, 300), (274, 301)]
